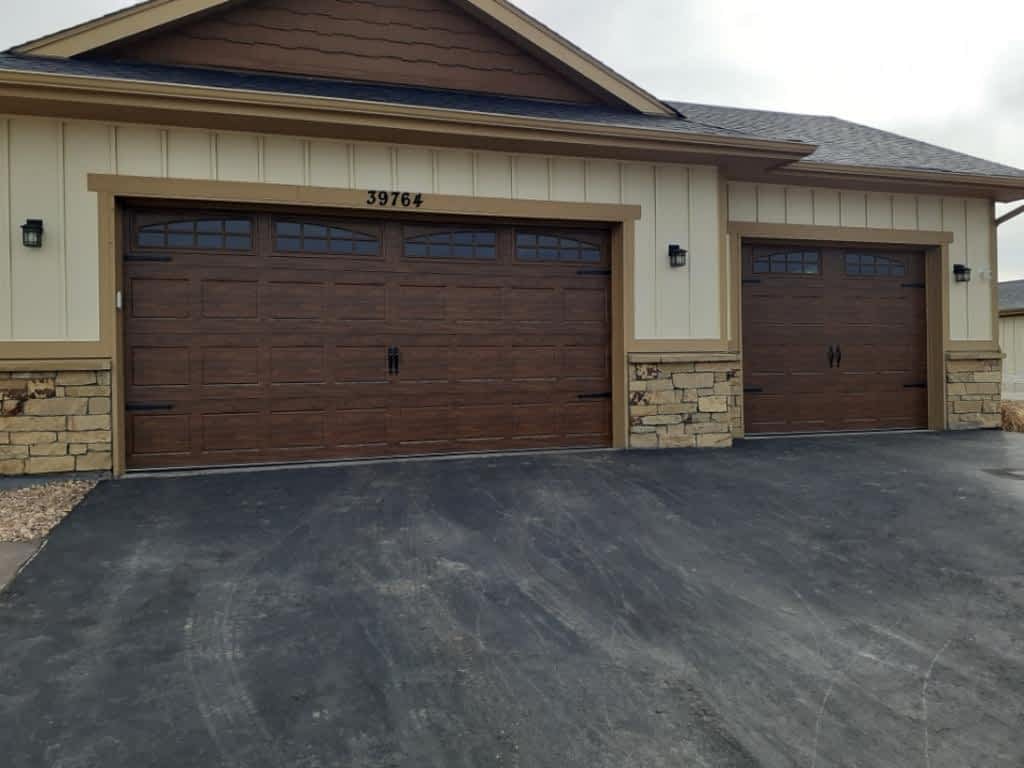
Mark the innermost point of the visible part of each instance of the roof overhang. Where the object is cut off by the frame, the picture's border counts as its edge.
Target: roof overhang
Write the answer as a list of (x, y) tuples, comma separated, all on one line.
[(1003, 189), (501, 15), (134, 101)]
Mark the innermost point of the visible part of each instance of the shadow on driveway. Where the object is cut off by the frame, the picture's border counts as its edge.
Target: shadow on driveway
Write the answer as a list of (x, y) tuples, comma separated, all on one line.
[(827, 602)]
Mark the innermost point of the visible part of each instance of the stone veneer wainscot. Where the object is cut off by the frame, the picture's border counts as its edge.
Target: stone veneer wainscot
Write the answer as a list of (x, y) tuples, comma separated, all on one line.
[(55, 420), (973, 389), (684, 400)]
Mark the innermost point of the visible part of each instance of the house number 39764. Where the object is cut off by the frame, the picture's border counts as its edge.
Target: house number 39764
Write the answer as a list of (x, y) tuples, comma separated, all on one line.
[(384, 199)]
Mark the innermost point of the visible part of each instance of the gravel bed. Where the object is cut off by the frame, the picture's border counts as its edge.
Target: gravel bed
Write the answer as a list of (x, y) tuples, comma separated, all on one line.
[(30, 513)]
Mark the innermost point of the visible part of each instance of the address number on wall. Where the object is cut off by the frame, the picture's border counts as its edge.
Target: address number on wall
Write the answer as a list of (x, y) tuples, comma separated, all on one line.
[(384, 199)]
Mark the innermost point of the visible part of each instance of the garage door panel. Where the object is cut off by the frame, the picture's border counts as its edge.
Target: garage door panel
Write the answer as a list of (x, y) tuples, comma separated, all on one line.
[(224, 299), (264, 357), (295, 300), (298, 365), (231, 365), (773, 357), (298, 429), (159, 366), (159, 298), (159, 434), (240, 431)]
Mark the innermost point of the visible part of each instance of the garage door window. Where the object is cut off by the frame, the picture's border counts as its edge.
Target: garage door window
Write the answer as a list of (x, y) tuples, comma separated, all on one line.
[(204, 234), (312, 238), (451, 244), (540, 246), (874, 265), (789, 262)]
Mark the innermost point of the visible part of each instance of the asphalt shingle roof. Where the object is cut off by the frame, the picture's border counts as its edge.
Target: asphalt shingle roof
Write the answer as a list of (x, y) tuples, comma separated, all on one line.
[(841, 142), (1011, 295)]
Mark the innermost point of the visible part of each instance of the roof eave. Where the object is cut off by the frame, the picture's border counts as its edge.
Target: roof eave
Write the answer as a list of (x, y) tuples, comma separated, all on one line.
[(1004, 189), (55, 94)]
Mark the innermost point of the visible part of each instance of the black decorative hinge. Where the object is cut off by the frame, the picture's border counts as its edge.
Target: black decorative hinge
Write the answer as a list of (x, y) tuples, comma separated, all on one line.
[(138, 407), (751, 281), (751, 390), (604, 272), (920, 385), (911, 285), (595, 396)]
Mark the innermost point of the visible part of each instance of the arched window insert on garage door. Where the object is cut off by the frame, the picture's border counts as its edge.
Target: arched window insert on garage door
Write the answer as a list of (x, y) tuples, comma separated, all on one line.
[(448, 243), (212, 234), (873, 265), (779, 261), (572, 248), (320, 238)]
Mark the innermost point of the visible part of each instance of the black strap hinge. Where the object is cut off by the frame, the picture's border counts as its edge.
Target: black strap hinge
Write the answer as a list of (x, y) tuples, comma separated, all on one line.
[(146, 257), (595, 396), (751, 390), (604, 272), (138, 407), (751, 281), (911, 285), (919, 385)]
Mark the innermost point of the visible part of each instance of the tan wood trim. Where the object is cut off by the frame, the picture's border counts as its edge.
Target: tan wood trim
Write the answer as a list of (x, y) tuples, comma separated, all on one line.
[(936, 247), (620, 394), (735, 289), (858, 235), (1011, 312), (112, 188), (55, 364), (972, 346), (107, 29), (994, 279), (677, 345), (53, 350), (937, 321), (684, 357), (723, 261), (355, 199), (979, 355), (811, 170), (140, 101)]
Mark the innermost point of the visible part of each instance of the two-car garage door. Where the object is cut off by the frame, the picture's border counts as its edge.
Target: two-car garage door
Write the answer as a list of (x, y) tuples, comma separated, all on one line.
[(260, 337)]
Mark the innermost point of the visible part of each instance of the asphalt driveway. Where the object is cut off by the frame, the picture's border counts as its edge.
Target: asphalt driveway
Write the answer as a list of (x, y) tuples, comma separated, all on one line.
[(837, 602)]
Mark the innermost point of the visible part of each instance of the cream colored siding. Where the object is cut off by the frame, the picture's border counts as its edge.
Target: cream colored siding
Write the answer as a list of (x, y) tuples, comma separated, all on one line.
[(1011, 340), (52, 294), (970, 221)]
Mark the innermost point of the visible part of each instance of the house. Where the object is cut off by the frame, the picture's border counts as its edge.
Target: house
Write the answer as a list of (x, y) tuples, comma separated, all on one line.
[(1011, 337), (294, 230)]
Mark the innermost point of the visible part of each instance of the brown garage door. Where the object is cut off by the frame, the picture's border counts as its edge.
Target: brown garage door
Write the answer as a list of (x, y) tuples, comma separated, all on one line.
[(272, 337), (834, 339)]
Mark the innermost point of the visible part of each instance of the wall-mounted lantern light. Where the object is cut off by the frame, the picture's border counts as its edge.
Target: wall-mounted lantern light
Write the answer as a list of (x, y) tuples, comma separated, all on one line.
[(677, 256), (32, 233), (962, 273)]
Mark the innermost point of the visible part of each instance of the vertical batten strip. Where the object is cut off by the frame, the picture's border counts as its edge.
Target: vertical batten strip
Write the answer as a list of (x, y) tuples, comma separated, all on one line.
[(62, 272), (6, 242)]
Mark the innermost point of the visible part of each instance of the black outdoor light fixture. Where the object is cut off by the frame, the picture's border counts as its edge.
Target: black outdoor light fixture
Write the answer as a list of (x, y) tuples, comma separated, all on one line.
[(962, 273), (32, 233), (677, 255)]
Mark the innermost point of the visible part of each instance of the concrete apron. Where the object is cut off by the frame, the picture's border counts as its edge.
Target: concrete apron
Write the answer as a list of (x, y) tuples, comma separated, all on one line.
[(13, 557)]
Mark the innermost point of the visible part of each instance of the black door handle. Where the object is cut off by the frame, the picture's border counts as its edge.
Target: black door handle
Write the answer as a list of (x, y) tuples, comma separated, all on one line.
[(398, 360), (831, 356), (839, 356), (392, 361)]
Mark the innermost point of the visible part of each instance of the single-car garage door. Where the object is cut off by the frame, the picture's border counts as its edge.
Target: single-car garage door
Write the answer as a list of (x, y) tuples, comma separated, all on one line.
[(834, 339), (260, 337)]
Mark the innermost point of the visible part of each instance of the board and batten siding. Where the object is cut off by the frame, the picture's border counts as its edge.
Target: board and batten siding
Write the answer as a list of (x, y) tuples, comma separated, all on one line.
[(1011, 341), (52, 293), (970, 220)]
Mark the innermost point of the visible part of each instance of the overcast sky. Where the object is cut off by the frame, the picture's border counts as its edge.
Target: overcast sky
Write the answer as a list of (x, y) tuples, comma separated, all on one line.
[(947, 72)]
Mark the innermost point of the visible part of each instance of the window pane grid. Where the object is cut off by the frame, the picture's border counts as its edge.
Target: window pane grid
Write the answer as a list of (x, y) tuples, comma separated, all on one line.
[(318, 239), (786, 262), (550, 247), (203, 234), (874, 265), (453, 244)]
